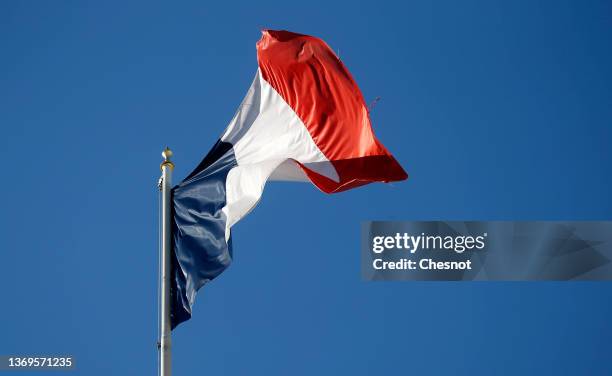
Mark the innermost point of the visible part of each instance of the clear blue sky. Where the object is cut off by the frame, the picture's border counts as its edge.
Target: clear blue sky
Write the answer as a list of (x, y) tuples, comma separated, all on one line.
[(497, 110)]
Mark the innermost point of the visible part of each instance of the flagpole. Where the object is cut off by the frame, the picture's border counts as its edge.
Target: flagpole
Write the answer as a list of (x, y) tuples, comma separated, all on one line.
[(164, 322)]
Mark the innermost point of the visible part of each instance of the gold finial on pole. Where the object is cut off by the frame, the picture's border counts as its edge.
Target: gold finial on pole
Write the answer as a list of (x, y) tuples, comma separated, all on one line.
[(167, 154)]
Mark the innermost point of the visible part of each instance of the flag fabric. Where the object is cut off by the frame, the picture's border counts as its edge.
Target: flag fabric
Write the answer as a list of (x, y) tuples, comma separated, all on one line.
[(303, 119)]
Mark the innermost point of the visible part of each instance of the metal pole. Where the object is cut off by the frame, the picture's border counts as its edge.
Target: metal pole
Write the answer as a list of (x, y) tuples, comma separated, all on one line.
[(164, 323)]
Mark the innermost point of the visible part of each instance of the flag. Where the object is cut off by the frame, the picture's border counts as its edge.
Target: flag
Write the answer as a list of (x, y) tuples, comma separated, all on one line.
[(303, 119)]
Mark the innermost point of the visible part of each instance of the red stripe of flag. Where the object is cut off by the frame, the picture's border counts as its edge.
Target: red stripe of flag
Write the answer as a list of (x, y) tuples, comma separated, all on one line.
[(318, 87)]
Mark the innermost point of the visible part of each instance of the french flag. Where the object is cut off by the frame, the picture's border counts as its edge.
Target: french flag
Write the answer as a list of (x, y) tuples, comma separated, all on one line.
[(303, 119)]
